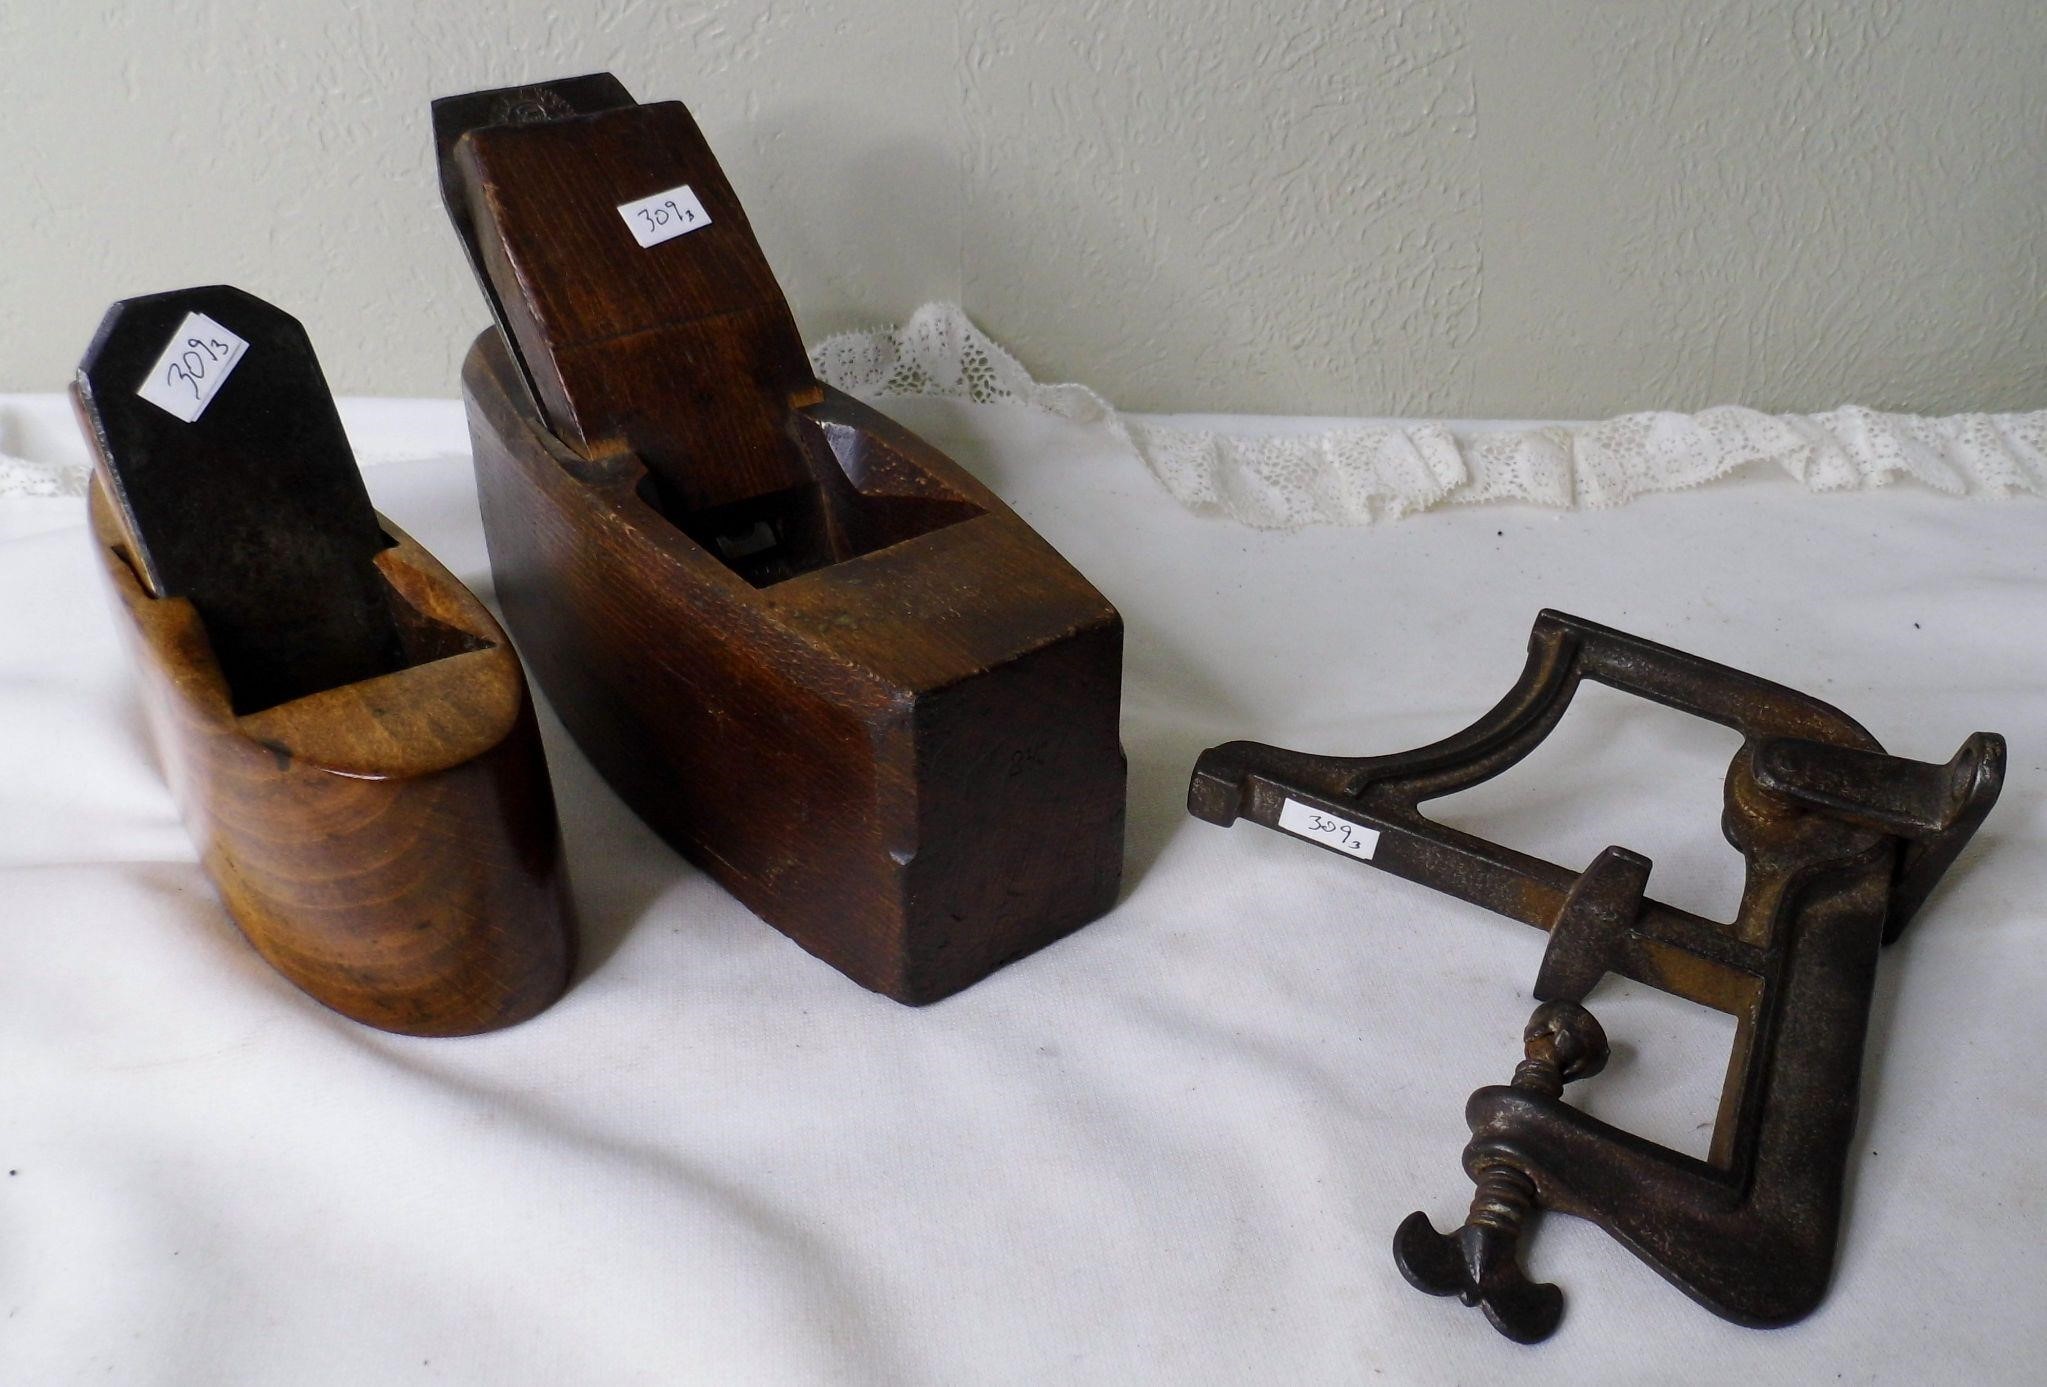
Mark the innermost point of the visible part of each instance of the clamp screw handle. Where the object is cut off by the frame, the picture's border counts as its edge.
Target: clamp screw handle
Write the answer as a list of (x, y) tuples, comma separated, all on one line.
[(1478, 1263)]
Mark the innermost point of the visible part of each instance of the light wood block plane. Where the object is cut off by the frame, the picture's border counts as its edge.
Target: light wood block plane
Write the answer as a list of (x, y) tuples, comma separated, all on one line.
[(345, 727)]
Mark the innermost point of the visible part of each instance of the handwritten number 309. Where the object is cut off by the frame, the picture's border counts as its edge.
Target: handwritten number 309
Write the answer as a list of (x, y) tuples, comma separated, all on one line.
[(192, 364), (659, 215), (1335, 828)]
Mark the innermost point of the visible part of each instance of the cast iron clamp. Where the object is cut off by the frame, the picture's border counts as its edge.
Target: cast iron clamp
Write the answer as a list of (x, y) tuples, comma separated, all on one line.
[(1843, 843)]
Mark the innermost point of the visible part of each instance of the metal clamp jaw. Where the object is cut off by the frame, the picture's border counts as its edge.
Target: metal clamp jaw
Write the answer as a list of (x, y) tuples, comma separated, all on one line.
[(1843, 844)]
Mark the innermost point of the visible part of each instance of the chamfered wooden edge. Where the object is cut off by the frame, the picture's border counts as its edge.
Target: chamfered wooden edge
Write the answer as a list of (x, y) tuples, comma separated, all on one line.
[(391, 846)]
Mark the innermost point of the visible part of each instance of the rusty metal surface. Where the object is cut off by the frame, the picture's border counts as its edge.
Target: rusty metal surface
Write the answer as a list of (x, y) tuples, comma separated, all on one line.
[(1843, 843)]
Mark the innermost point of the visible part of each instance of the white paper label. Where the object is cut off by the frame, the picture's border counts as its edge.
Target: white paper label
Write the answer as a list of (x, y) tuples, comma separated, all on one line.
[(1319, 826), (664, 216), (194, 365)]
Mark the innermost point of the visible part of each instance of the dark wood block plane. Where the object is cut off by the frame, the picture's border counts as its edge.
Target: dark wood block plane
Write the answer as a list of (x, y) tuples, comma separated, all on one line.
[(811, 651), (345, 727)]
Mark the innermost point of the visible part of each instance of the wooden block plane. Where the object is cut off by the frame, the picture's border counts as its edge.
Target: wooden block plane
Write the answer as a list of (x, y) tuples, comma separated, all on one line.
[(345, 727), (812, 652)]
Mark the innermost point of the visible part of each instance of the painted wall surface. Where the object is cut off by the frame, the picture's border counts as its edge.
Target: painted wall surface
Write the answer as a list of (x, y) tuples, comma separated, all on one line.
[(1455, 207)]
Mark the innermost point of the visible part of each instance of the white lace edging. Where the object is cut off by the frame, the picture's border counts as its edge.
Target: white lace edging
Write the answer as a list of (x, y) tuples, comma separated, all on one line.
[(20, 477), (1358, 473), (1354, 474), (41, 453)]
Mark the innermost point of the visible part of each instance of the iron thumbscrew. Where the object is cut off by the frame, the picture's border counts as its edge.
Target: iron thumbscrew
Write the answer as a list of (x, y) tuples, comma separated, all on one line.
[(1478, 1263)]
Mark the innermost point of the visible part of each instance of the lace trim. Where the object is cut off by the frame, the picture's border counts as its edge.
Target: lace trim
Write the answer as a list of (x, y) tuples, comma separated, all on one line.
[(41, 453), (1359, 473), (20, 477), (1349, 475)]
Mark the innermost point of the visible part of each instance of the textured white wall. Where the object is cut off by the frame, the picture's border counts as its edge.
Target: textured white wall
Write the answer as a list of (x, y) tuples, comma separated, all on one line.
[(1441, 207)]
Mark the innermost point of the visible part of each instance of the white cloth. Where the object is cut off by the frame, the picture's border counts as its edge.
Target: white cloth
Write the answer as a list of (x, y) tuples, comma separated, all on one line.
[(1172, 1148)]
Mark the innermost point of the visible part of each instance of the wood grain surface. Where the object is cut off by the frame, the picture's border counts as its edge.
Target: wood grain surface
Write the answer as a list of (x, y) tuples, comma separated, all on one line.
[(816, 655), (906, 761), (389, 845)]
